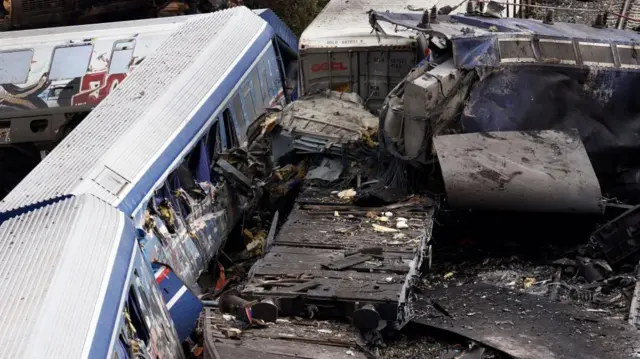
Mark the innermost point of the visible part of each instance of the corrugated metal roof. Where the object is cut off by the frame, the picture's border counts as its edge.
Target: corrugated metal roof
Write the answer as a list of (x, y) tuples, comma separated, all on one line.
[(279, 27), (56, 263), (132, 138), (342, 19)]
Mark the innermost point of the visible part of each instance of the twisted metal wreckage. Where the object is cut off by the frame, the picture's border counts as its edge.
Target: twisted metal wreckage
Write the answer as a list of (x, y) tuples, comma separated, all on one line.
[(521, 116)]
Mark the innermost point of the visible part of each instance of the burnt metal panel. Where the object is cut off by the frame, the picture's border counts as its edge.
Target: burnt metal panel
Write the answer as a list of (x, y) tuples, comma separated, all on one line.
[(545, 171), (557, 51), (594, 53), (629, 56), (516, 50), (548, 330)]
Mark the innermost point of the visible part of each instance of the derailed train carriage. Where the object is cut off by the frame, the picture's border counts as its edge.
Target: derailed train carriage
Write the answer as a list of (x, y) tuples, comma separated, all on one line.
[(146, 152), (520, 75), (79, 264), (51, 78)]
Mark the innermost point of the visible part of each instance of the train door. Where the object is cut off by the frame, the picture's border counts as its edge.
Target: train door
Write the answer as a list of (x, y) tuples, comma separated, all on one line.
[(146, 329), (274, 77), (230, 141), (288, 66)]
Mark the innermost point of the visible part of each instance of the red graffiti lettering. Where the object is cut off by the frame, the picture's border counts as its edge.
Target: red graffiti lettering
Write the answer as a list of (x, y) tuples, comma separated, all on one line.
[(335, 66), (94, 87)]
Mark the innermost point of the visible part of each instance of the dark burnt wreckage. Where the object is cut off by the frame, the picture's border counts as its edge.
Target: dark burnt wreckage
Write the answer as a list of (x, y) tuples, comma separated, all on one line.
[(334, 257), (531, 123), (328, 262), (507, 128)]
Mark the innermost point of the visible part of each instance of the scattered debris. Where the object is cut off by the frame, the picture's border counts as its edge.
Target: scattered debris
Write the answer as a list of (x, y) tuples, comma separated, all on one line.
[(347, 193), (383, 229), (292, 337), (371, 219), (346, 282), (545, 329)]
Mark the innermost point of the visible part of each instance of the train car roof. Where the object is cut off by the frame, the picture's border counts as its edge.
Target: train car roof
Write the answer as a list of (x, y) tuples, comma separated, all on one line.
[(81, 33), (279, 27), (345, 23), (128, 144), (60, 264)]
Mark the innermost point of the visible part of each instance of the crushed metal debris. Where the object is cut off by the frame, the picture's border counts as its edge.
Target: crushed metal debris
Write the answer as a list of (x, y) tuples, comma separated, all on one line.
[(350, 264), (445, 238)]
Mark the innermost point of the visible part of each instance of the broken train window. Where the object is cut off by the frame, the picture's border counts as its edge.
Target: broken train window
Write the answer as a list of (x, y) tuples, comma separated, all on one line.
[(165, 208), (179, 180), (136, 325), (150, 225), (199, 162), (214, 146), (229, 130)]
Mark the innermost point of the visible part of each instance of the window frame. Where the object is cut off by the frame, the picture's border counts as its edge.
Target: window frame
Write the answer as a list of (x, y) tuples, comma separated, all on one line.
[(53, 56), (116, 48), (216, 149), (230, 130), (26, 76)]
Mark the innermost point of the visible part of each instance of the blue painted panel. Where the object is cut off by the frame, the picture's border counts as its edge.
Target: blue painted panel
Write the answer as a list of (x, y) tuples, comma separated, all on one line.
[(280, 28), (200, 119), (115, 290), (184, 307)]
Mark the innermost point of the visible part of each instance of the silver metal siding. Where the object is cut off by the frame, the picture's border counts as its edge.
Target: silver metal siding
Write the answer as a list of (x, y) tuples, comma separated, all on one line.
[(53, 262), (136, 120)]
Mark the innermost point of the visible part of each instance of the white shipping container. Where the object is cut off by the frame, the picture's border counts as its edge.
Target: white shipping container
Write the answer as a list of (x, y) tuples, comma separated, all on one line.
[(339, 51)]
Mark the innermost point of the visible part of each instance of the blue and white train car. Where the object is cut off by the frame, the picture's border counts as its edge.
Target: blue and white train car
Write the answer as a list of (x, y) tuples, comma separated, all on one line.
[(75, 285), (147, 149), (49, 78)]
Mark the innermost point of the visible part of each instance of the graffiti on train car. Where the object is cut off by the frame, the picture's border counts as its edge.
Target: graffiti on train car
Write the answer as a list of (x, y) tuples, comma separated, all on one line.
[(13, 97), (94, 87), (89, 89)]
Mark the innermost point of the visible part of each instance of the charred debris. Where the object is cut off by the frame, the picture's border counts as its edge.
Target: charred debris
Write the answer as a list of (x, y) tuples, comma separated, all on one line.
[(490, 210)]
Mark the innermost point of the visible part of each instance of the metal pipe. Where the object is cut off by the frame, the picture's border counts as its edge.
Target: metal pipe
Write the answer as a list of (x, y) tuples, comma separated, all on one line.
[(621, 19)]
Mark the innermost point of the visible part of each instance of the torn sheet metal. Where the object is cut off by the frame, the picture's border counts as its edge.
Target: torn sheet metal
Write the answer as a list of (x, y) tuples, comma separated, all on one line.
[(524, 325), (595, 102), (186, 243), (328, 171), (336, 116), (619, 238), (532, 171)]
